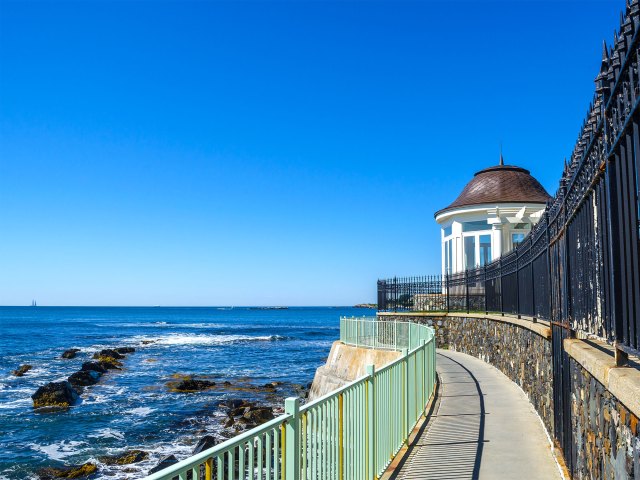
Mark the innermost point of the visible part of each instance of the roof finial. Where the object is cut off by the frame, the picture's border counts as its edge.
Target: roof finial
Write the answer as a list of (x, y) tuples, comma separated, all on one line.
[(501, 159)]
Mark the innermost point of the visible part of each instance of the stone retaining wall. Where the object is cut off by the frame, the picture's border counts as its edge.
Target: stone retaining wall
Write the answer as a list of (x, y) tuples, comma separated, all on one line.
[(605, 432)]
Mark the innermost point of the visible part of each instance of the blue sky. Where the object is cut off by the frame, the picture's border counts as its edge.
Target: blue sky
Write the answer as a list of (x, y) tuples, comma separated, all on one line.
[(261, 153)]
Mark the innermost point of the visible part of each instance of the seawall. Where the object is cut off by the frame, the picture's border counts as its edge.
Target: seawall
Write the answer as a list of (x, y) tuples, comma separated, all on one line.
[(345, 364)]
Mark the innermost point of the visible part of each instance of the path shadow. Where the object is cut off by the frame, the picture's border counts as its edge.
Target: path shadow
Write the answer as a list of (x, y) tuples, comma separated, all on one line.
[(449, 444)]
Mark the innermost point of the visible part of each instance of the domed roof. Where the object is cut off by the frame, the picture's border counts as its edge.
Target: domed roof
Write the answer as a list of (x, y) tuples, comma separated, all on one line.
[(500, 184)]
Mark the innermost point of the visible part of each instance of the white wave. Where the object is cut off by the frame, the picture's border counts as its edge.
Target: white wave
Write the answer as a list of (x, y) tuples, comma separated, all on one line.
[(15, 403), (60, 450), (200, 339), (107, 433), (141, 411)]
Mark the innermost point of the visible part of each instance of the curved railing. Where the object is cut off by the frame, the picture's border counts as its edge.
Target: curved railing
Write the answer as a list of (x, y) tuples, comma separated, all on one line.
[(367, 332), (352, 433)]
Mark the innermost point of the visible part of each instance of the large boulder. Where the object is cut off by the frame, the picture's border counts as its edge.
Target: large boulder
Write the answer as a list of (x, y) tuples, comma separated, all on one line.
[(108, 353), (109, 363), (257, 416), (71, 353), (71, 471), (93, 366), (205, 443), (125, 350), (125, 458), (21, 370), (84, 378), (55, 394), (231, 404), (164, 463), (191, 385)]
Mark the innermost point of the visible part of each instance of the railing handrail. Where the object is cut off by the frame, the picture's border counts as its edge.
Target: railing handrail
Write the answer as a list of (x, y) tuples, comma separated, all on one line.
[(196, 460)]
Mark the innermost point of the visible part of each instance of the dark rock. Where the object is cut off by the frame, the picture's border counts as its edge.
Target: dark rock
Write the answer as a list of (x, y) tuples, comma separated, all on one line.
[(71, 353), (232, 404), (108, 353), (84, 378), (241, 410), (148, 342), (55, 394), (258, 416), (205, 443), (94, 366), (125, 458), (191, 385), (71, 471), (164, 463), (109, 363), (229, 422), (21, 370), (125, 350)]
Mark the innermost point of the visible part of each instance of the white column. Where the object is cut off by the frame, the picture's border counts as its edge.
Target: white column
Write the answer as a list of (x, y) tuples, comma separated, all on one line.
[(496, 241)]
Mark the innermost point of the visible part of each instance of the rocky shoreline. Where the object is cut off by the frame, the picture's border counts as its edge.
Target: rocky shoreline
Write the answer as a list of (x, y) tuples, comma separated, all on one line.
[(236, 415)]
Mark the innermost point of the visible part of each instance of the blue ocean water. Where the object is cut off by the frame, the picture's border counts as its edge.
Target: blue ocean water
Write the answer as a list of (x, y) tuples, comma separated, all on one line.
[(133, 408)]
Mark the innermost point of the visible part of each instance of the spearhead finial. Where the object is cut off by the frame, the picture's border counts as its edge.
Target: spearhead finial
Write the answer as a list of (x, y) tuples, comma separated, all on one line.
[(501, 159)]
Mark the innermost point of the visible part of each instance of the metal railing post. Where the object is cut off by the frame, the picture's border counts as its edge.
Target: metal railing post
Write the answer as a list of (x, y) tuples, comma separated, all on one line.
[(340, 437), (292, 439), (486, 309), (371, 421), (395, 334), (425, 362), (446, 280), (405, 390), (466, 285), (501, 289)]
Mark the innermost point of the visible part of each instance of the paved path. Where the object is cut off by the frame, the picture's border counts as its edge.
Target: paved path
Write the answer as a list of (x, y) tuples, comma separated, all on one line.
[(483, 428)]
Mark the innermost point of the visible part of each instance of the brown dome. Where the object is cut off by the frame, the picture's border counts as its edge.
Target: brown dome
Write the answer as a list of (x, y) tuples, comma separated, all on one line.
[(500, 184)]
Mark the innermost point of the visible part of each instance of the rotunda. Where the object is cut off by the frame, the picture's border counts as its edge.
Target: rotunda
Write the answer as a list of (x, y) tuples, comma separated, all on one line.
[(492, 214)]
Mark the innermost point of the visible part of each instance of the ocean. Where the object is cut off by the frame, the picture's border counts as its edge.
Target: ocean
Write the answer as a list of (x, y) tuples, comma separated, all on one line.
[(134, 408)]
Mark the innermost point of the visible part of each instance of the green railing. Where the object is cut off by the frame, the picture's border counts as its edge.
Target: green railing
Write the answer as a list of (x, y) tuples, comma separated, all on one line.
[(368, 332), (352, 433)]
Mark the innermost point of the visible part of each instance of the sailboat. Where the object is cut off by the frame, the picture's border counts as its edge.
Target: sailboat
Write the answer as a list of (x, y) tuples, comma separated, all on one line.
[(33, 303)]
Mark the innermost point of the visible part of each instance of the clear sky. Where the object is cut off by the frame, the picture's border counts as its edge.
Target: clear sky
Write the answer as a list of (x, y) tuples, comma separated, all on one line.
[(289, 153)]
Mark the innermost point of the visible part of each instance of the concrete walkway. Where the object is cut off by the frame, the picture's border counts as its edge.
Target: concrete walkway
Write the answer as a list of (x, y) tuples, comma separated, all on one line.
[(483, 428)]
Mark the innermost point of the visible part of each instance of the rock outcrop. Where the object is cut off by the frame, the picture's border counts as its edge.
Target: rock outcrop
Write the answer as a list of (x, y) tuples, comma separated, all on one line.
[(205, 443), (21, 370), (83, 378), (164, 463), (71, 471), (55, 395), (71, 353), (125, 458), (189, 384)]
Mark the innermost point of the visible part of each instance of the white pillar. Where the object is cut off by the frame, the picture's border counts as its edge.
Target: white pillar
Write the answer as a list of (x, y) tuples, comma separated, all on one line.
[(496, 241)]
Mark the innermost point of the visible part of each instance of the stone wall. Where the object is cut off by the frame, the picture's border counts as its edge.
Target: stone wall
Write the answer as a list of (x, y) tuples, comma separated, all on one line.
[(605, 432)]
